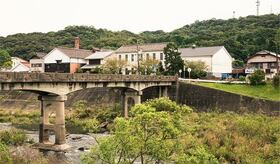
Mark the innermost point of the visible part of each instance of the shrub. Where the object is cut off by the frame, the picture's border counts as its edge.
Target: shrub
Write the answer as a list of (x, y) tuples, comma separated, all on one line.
[(257, 77), (242, 78), (276, 81), (4, 154), (13, 137)]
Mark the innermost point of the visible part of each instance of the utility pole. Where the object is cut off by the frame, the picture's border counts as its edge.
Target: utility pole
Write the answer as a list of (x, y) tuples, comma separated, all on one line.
[(258, 7), (233, 15)]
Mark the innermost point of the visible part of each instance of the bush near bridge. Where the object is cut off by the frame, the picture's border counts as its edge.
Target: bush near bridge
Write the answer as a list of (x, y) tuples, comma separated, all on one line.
[(162, 131)]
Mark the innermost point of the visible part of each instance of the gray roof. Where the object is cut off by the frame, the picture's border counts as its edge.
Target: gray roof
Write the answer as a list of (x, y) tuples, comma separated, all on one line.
[(143, 47), (75, 53), (40, 54), (99, 55), (199, 51)]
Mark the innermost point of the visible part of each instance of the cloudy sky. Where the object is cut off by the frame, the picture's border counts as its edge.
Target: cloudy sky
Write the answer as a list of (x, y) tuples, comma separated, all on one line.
[(23, 16)]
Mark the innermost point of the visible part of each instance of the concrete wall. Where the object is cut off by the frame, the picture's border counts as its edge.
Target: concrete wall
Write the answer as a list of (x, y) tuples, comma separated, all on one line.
[(207, 99)]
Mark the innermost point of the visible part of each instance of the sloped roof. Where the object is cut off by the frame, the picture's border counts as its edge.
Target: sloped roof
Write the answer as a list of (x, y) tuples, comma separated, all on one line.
[(41, 54), (75, 53), (199, 51), (265, 52), (143, 47), (99, 55)]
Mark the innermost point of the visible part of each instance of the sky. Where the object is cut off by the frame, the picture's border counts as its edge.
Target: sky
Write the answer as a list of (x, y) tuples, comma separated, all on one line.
[(25, 16)]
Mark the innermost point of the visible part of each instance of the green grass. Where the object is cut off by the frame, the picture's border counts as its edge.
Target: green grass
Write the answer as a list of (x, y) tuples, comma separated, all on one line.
[(267, 91)]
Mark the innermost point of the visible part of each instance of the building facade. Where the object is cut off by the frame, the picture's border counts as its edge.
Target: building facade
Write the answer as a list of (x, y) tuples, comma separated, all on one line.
[(135, 54), (217, 59), (263, 60), (96, 59), (19, 65), (37, 62)]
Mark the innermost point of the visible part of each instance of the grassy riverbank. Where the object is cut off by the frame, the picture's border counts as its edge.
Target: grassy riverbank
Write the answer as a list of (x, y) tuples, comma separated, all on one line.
[(267, 91)]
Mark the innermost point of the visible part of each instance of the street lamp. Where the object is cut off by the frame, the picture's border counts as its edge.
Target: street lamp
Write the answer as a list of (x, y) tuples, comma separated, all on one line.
[(189, 70)]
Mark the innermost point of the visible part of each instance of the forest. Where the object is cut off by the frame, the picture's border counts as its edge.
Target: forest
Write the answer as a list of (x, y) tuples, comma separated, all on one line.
[(242, 37)]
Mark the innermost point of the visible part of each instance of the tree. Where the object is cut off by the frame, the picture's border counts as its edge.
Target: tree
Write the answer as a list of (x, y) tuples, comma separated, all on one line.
[(198, 68), (150, 135), (257, 77), (238, 64), (147, 67), (173, 60), (160, 69), (5, 60), (112, 66)]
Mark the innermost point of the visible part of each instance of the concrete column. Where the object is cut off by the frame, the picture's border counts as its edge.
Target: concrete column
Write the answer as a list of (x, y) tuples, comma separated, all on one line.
[(49, 104), (137, 97), (125, 104), (159, 92), (165, 92), (60, 121)]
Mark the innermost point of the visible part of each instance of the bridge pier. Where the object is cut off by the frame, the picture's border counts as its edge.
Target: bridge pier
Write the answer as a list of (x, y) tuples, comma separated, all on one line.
[(136, 96), (163, 91), (52, 104)]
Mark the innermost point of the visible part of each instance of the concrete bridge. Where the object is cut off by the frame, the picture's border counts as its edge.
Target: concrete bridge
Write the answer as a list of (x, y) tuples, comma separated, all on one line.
[(53, 88)]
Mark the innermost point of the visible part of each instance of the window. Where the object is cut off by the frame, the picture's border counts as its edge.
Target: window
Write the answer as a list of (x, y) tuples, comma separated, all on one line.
[(36, 65), (161, 56), (147, 56), (141, 57), (154, 56), (120, 57), (126, 57), (132, 57), (271, 65), (94, 61)]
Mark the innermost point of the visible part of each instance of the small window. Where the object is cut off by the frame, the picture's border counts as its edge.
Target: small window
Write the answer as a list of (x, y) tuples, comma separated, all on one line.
[(154, 56), (120, 57), (147, 56), (126, 57), (132, 57), (161, 56)]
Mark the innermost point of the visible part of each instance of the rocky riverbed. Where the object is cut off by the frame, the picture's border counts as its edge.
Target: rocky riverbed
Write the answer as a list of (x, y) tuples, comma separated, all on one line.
[(80, 143)]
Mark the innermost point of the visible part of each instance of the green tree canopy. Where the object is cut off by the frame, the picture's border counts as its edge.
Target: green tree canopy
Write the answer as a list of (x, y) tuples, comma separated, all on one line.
[(173, 60), (5, 60)]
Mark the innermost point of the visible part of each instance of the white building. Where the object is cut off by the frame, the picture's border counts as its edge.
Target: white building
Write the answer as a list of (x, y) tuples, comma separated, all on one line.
[(65, 60), (37, 62), (96, 59), (130, 54), (19, 65), (217, 59)]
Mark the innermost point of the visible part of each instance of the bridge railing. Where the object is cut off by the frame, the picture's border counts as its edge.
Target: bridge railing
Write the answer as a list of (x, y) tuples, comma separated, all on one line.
[(80, 77)]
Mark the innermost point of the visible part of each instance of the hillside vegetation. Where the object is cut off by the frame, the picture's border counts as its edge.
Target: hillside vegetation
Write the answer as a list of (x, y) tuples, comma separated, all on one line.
[(267, 91), (241, 37)]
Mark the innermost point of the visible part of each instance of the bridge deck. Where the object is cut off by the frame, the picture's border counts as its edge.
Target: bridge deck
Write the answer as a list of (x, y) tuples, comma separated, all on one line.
[(12, 77)]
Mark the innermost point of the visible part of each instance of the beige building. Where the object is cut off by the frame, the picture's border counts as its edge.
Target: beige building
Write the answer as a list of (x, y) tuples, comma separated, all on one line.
[(136, 53), (264, 60), (96, 59)]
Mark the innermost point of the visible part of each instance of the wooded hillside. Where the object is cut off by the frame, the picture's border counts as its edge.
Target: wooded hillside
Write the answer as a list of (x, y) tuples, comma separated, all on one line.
[(242, 37)]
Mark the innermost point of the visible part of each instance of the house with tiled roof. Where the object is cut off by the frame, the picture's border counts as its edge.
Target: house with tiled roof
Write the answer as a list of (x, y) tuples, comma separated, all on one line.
[(134, 53), (267, 61), (66, 60), (217, 59), (19, 65), (96, 59)]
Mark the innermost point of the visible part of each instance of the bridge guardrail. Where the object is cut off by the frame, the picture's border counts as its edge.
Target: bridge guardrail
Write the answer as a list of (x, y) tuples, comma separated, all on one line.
[(79, 77)]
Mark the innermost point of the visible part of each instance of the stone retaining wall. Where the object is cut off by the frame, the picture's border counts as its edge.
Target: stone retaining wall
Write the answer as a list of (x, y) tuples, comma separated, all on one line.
[(207, 99)]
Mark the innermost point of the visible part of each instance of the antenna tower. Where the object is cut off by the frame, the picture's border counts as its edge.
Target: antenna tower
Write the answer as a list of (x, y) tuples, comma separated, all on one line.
[(258, 7)]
